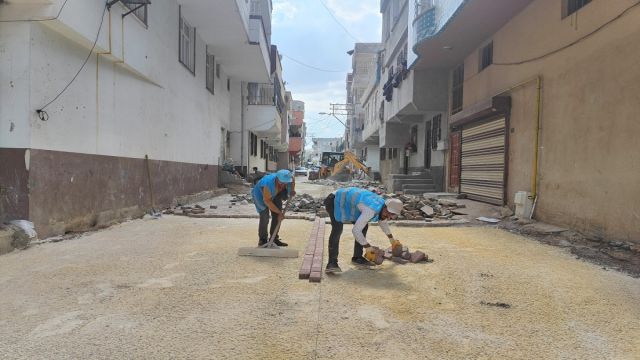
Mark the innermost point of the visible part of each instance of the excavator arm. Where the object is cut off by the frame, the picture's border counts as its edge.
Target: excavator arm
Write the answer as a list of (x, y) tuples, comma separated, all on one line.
[(349, 158)]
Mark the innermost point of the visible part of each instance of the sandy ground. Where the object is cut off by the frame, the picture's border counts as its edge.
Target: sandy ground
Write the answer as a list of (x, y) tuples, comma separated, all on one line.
[(174, 288)]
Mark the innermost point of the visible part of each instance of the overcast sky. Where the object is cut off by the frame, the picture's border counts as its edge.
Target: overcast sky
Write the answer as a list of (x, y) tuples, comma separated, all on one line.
[(304, 30)]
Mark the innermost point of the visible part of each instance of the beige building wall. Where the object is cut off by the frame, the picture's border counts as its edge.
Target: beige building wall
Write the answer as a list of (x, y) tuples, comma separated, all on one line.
[(589, 169)]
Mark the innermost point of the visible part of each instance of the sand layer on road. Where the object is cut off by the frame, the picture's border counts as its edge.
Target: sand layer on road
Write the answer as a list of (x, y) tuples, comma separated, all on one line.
[(175, 288)]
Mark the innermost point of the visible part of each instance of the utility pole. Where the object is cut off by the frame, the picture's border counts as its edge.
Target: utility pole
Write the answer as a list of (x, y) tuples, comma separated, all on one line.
[(342, 110)]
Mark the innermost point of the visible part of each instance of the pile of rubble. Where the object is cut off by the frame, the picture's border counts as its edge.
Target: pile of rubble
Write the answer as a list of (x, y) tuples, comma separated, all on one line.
[(305, 203), (374, 186), (241, 199), (419, 208)]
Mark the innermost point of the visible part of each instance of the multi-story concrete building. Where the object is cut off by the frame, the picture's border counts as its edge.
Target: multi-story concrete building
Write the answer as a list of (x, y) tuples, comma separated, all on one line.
[(410, 107), (321, 145), (364, 59), (166, 83), (543, 99), (297, 132), (266, 119)]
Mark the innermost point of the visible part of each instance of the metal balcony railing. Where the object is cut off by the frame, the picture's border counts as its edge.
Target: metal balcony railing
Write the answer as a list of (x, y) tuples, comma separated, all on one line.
[(261, 94)]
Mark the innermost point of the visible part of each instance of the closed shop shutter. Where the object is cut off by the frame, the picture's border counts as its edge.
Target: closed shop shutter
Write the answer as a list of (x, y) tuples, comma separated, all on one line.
[(483, 161)]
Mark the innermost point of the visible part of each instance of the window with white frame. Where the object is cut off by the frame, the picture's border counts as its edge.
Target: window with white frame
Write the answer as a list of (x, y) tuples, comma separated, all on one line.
[(187, 55), (211, 66)]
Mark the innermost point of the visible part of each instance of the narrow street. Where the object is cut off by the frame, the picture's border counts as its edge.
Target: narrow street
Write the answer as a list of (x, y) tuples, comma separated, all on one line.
[(175, 288), (171, 173)]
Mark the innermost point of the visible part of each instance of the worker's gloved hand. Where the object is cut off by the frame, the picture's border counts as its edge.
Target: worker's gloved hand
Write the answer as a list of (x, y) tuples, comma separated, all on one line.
[(292, 194), (396, 247), (280, 217), (371, 253), (395, 244)]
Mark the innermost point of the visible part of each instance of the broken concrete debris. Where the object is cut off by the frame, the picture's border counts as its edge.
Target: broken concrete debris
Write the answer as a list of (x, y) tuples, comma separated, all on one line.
[(417, 207), (403, 256)]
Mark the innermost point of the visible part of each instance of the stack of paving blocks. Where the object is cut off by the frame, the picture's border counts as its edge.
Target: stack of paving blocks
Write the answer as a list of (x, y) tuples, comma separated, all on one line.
[(312, 263)]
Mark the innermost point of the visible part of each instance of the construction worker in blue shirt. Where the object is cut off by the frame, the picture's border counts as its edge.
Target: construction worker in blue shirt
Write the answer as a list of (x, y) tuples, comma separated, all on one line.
[(268, 195), (358, 206)]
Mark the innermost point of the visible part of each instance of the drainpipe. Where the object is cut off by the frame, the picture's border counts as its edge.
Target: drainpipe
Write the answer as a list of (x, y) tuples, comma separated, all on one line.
[(534, 177), (536, 141)]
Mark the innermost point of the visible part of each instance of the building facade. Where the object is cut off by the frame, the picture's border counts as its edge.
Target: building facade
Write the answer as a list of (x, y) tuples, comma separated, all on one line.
[(150, 116), (543, 100), (297, 133), (363, 68), (405, 107)]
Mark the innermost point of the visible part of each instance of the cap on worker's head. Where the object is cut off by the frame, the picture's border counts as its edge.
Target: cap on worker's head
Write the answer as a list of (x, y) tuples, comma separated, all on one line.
[(284, 176), (394, 206)]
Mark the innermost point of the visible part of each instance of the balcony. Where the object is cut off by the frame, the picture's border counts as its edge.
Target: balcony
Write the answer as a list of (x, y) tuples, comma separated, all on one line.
[(443, 34), (263, 115), (295, 145), (237, 39)]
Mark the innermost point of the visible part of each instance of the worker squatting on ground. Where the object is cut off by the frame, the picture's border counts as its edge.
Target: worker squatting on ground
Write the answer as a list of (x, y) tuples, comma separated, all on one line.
[(268, 195), (361, 206)]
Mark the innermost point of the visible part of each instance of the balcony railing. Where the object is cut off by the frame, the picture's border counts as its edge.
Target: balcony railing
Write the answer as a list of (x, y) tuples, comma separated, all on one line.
[(425, 24), (261, 94)]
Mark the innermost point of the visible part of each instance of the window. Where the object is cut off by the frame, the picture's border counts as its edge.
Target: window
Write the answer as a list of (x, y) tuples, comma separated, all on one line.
[(571, 6), (187, 45), (456, 89), (140, 11), (228, 84), (395, 153), (210, 81), (383, 154), (486, 56), (218, 71)]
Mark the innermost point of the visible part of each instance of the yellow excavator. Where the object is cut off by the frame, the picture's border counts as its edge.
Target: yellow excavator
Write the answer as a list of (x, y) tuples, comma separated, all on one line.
[(334, 163)]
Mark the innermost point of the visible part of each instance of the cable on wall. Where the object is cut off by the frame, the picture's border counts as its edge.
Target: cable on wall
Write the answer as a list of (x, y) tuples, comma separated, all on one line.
[(540, 57), (42, 115), (36, 20)]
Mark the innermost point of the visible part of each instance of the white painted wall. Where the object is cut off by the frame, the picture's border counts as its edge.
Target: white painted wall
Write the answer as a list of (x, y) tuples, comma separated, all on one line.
[(15, 131), (137, 100)]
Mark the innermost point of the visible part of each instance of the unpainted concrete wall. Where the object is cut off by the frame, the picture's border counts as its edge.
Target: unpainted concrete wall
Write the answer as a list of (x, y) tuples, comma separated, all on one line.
[(589, 167)]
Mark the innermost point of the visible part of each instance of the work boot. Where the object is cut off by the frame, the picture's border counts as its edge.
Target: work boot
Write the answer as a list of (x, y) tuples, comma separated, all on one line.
[(332, 268), (280, 243), (261, 242), (361, 261)]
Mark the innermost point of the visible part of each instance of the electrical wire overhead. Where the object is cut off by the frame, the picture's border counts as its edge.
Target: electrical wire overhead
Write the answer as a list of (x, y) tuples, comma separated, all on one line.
[(338, 22), (311, 66)]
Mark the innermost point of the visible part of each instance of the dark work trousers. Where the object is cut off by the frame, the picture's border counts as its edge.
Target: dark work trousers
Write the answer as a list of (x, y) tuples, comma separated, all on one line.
[(336, 232), (264, 219)]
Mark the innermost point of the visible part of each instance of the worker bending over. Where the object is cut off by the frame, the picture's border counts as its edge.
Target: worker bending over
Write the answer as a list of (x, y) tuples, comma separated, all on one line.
[(349, 205), (268, 195)]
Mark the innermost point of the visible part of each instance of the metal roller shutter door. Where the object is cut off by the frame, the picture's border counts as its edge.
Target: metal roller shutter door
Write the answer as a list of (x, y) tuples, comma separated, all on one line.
[(483, 161)]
